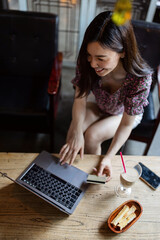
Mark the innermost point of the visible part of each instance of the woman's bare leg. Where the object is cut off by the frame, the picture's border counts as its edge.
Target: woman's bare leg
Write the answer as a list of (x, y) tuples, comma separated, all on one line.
[(92, 115), (98, 128), (99, 131)]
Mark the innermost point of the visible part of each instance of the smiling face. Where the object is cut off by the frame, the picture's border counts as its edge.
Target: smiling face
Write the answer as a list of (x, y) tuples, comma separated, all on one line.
[(103, 60)]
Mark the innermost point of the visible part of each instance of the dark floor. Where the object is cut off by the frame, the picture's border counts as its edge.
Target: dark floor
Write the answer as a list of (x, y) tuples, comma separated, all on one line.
[(29, 142)]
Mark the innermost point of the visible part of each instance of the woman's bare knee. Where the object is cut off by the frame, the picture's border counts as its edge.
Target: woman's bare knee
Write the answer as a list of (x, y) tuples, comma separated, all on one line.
[(100, 131), (92, 143)]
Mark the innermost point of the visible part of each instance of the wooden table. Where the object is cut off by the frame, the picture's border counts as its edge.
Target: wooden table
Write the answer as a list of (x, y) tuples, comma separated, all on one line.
[(24, 216)]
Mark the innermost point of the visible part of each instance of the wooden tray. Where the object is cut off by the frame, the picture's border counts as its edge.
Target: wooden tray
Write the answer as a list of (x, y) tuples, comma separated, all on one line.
[(117, 210)]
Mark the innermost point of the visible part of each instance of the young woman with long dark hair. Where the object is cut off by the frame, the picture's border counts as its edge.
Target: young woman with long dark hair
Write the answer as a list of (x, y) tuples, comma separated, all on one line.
[(110, 67)]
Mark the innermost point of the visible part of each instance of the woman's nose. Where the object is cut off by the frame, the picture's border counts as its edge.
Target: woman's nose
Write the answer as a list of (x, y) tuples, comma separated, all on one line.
[(93, 63)]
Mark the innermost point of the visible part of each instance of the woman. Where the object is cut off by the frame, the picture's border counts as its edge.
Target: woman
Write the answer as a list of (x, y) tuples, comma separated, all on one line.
[(110, 66)]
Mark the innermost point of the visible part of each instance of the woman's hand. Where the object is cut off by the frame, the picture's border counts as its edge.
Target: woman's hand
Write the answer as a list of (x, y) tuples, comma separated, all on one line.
[(75, 139), (104, 168), (74, 145), (121, 135)]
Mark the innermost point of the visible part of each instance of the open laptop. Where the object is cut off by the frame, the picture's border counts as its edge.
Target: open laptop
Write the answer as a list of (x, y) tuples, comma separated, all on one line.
[(63, 186)]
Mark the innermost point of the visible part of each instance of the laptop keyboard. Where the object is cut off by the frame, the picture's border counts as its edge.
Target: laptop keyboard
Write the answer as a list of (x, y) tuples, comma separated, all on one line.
[(52, 186)]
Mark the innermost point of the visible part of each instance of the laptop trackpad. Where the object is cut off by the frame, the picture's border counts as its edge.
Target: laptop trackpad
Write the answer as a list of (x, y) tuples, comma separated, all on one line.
[(69, 173)]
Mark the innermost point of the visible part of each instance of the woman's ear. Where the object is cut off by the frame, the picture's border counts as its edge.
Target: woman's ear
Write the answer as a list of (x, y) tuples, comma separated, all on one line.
[(123, 55)]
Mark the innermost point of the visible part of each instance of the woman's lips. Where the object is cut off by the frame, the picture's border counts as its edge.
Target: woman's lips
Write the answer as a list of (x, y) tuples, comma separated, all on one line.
[(99, 70)]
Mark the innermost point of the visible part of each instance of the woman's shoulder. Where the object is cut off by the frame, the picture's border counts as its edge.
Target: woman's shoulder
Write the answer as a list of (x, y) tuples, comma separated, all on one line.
[(133, 80)]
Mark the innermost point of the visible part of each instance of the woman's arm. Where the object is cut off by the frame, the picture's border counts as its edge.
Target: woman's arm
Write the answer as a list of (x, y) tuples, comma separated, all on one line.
[(75, 138), (119, 139), (121, 134)]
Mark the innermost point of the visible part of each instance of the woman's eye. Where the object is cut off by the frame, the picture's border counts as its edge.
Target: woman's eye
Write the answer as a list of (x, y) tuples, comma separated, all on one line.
[(100, 59)]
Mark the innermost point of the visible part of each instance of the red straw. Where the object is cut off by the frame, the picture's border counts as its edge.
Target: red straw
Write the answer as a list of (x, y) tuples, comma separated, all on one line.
[(123, 162)]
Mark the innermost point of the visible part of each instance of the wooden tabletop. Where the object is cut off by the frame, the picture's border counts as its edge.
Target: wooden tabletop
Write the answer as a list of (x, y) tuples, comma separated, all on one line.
[(24, 216)]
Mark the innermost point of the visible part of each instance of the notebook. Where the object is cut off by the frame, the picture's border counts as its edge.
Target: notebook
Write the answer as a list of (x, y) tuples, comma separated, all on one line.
[(63, 186)]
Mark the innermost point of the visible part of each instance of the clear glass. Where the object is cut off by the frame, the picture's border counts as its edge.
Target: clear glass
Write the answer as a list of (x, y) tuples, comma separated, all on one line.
[(127, 180)]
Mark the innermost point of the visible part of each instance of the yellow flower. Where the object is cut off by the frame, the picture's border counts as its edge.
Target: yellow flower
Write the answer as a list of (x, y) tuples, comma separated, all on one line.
[(122, 12)]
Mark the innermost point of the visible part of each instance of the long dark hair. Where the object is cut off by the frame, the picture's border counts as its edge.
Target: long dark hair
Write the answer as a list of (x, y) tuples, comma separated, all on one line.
[(117, 38)]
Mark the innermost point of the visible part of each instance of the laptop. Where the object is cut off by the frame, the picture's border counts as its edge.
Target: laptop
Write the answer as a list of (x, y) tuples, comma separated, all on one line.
[(63, 186)]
